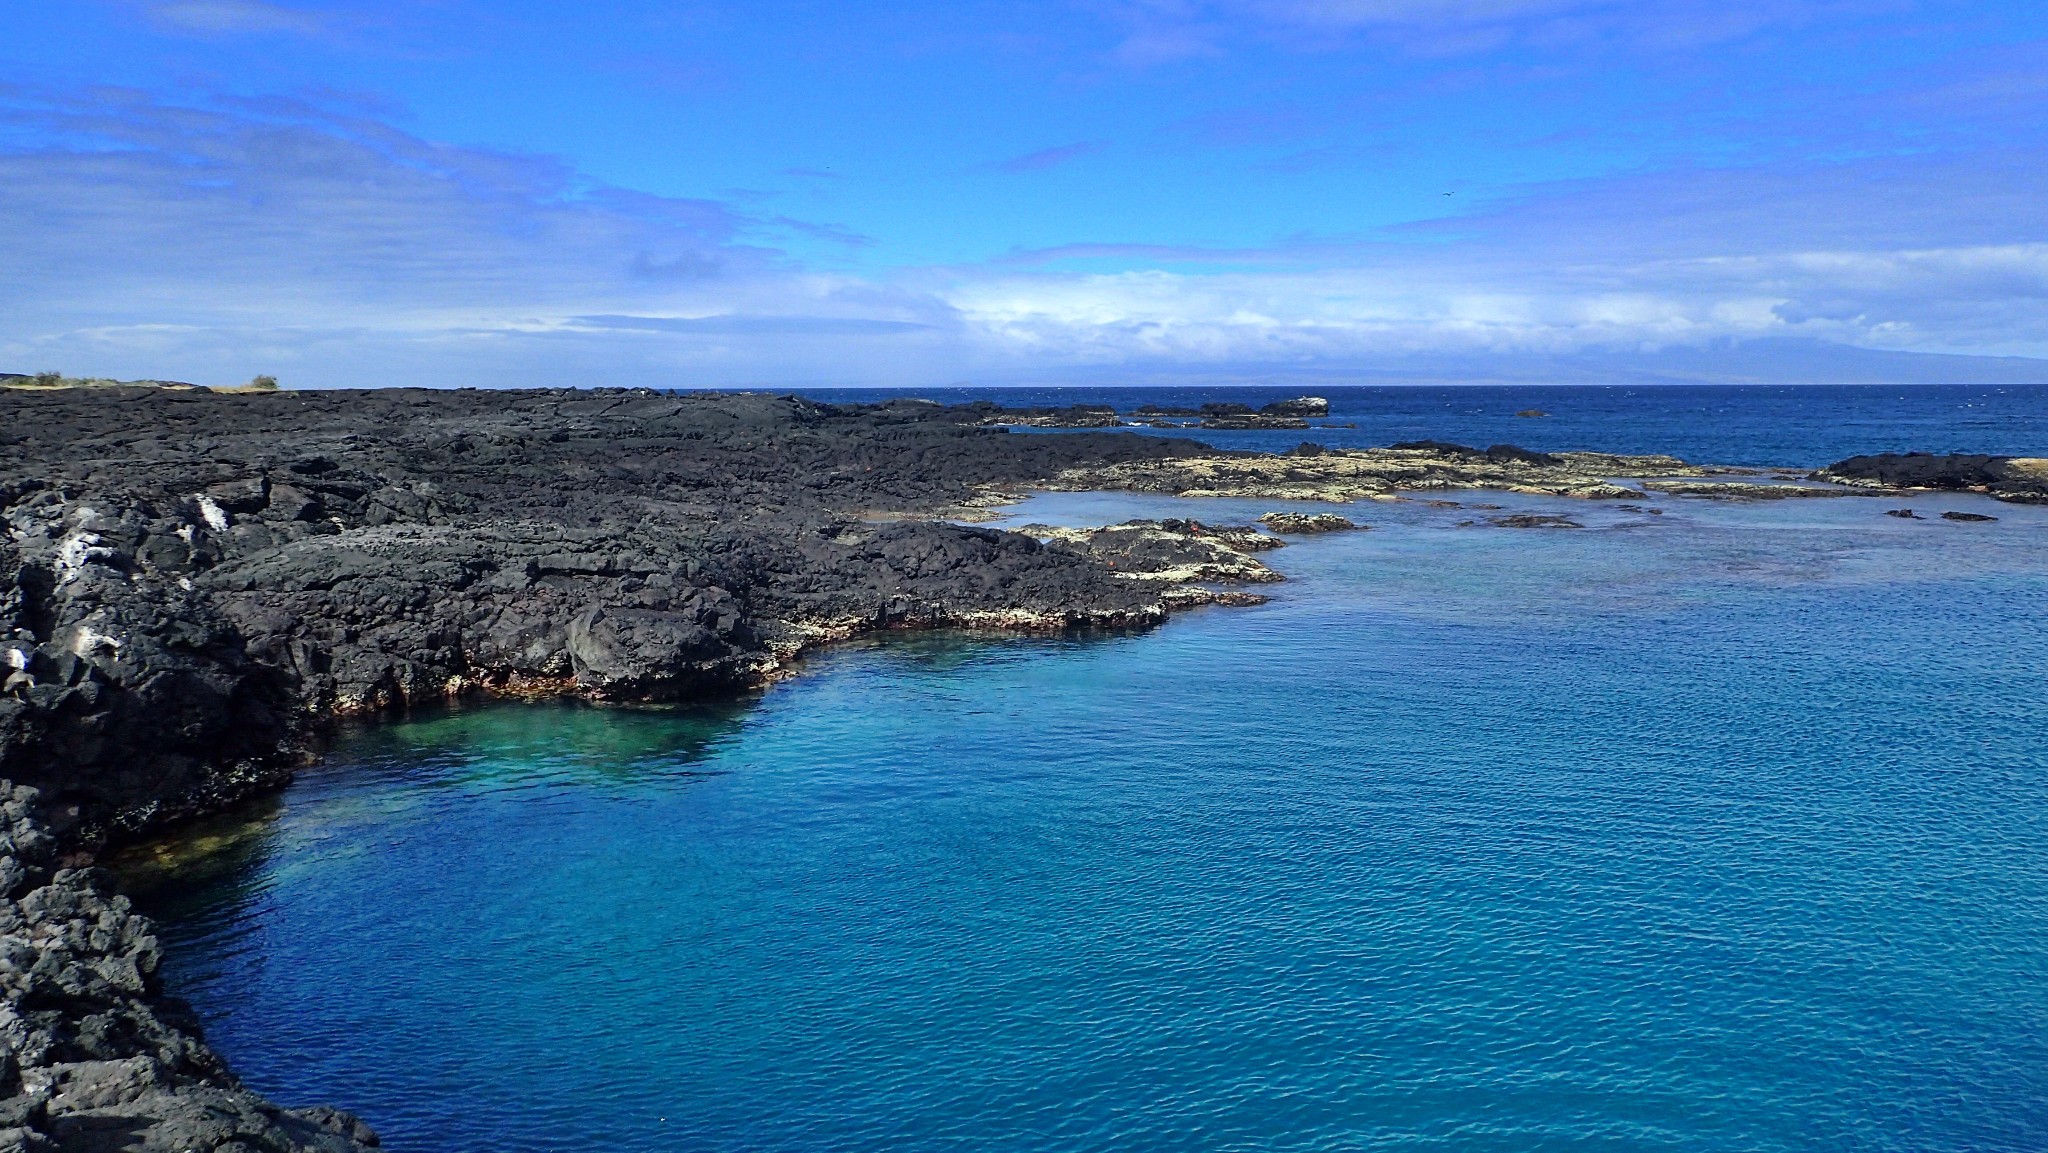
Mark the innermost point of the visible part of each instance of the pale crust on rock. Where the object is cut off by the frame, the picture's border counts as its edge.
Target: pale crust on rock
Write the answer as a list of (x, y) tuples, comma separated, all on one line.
[(1373, 474)]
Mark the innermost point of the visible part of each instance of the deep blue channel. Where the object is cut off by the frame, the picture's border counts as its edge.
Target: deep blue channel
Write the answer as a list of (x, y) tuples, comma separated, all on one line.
[(1725, 829)]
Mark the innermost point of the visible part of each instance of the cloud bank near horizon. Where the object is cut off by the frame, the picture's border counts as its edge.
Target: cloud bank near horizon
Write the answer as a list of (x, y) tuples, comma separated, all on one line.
[(209, 235)]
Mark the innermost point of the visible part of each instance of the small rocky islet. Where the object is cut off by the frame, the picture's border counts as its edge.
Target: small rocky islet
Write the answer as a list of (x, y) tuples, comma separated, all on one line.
[(194, 585)]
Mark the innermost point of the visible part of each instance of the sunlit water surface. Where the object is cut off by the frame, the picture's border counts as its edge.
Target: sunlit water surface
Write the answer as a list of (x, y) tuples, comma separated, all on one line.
[(1725, 829)]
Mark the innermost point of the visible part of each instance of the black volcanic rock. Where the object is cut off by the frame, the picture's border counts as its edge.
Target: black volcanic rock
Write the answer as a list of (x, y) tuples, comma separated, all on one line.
[(1920, 469), (1506, 453), (91, 1057), (1172, 550), (190, 582), (2017, 479), (1072, 416), (1299, 406), (1436, 448), (1281, 414), (1253, 422), (1497, 454)]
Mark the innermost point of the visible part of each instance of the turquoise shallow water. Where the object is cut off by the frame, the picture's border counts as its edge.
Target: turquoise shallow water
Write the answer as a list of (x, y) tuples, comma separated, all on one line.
[(1720, 830)]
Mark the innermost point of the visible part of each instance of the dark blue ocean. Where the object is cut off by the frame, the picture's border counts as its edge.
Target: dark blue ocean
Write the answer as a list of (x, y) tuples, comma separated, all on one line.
[(1719, 830), (1767, 425)]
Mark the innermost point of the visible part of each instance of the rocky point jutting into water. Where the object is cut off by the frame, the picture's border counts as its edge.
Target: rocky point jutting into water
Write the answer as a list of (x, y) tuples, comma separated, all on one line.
[(191, 581), (2019, 479), (192, 584)]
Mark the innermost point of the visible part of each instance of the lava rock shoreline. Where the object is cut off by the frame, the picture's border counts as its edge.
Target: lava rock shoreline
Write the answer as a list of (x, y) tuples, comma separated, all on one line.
[(93, 1058), (2017, 480), (193, 585)]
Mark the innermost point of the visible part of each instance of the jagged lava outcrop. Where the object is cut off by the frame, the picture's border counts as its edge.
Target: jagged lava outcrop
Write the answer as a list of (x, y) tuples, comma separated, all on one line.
[(92, 1058), (189, 582), (2018, 479), (1175, 552)]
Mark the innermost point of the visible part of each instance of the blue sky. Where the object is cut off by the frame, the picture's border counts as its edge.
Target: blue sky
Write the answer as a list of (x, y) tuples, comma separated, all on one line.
[(448, 192)]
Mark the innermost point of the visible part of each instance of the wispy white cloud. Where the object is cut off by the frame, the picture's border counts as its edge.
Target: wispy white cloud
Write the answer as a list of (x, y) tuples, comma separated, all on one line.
[(1992, 299), (1917, 253), (208, 236), (1167, 30), (239, 18), (1046, 158), (140, 193), (214, 240)]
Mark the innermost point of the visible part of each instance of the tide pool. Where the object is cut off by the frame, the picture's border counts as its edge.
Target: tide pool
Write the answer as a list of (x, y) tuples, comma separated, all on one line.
[(1721, 829)]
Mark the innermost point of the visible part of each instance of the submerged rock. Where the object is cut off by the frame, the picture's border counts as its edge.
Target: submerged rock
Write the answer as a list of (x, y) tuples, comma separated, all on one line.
[(1534, 520), (1966, 516)]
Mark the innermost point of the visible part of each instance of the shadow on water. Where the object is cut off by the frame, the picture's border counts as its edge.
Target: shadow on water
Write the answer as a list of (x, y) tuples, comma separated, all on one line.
[(392, 771), (205, 854), (391, 768), (510, 744)]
